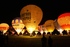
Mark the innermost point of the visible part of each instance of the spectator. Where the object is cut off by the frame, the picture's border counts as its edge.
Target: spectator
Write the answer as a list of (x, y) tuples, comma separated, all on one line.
[(44, 41), (50, 41)]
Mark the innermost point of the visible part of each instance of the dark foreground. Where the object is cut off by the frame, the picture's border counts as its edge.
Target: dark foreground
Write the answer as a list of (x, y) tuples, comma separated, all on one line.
[(27, 41)]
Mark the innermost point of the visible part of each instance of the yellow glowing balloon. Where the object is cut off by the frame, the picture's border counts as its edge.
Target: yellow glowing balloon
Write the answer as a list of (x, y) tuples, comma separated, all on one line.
[(4, 27), (49, 25), (31, 16)]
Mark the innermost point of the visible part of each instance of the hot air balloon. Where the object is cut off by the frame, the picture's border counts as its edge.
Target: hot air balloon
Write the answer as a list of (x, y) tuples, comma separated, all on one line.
[(4, 27), (49, 25), (31, 16), (57, 27), (18, 24), (64, 21), (40, 28)]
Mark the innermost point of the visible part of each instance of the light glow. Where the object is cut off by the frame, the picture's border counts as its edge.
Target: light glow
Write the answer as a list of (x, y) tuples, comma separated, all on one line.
[(42, 32), (30, 29), (60, 30), (18, 31)]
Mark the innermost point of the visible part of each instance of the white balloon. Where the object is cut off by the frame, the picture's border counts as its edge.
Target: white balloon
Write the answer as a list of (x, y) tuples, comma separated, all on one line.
[(17, 24)]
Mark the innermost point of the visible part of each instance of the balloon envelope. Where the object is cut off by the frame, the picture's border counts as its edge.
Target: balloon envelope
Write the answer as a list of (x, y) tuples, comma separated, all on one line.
[(31, 16), (57, 26), (17, 24), (4, 27), (49, 25), (64, 21)]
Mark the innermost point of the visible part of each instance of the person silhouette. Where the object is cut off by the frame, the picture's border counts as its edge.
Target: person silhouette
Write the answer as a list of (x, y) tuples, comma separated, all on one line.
[(44, 41), (50, 41), (1, 39), (6, 38)]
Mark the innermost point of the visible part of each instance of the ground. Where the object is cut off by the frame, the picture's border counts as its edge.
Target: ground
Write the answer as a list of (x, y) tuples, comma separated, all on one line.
[(35, 41)]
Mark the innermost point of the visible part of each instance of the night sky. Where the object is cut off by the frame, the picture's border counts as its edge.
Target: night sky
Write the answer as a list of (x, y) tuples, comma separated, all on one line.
[(10, 9)]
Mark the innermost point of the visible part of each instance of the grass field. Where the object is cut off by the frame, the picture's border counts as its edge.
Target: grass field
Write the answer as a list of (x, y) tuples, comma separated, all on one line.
[(35, 41)]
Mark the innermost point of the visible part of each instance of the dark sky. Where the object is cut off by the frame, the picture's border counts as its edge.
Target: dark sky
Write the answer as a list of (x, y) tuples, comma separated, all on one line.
[(10, 9)]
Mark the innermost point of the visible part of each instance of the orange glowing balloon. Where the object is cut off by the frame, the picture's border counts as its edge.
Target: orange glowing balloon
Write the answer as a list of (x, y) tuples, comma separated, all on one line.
[(64, 21), (49, 25), (31, 16), (4, 27)]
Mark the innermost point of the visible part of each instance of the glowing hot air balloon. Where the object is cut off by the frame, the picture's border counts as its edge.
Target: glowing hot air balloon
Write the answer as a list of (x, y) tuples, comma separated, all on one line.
[(40, 28), (58, 27), (31, 16), (17, 25), (49, 25), (64, 21), (4, 27)]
